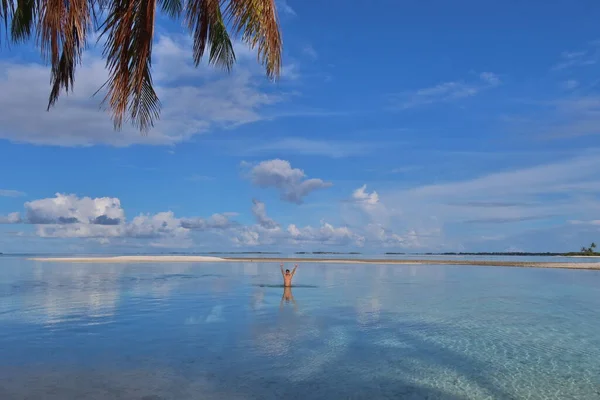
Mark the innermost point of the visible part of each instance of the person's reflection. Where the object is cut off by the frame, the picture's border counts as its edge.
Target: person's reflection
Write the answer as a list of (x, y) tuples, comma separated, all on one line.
[(288, 296)]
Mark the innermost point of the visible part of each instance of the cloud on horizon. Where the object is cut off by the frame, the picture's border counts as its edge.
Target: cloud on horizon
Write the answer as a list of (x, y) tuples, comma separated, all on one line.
[(452, 216)]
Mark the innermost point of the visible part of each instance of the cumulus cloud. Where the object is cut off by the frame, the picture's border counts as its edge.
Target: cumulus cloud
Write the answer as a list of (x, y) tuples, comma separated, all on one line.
[(12, 218), (154, 226), (361, 196), (383, 225), (369, 205), (103, 220), (326, 234), (70, 209), (260, 212), (291, 182)]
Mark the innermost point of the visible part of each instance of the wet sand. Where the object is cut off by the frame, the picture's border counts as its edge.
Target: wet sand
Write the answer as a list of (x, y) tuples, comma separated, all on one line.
[(156, 259)]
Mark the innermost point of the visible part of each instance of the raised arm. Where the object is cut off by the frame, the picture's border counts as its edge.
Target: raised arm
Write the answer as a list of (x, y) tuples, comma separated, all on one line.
[(294, 270), (282, 271)]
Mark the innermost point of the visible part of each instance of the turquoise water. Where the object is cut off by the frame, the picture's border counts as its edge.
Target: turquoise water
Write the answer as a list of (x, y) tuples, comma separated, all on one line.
[(226, 331)]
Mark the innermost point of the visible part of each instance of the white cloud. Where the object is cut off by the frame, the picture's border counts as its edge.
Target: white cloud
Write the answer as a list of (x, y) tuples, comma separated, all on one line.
[(70, 209), (384, 225), (361, 196), (493, 211), (10, 193), (447, 91), (79, 230), (526, 197), (103, 220), (154, 226), (291, 182), (216, 221), (326, 234), (195, 100), (260, 212), (12, 218)]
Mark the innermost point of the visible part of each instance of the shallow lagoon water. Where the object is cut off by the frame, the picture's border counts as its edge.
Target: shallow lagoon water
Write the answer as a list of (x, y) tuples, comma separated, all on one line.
[(227, 331)]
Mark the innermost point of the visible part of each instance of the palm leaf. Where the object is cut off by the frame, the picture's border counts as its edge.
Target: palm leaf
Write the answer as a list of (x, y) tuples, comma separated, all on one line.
[(61, 28), (172, 7), (129, 27), (205, 20), (72, 40), (257, 21), (6, 12), (23, 20)]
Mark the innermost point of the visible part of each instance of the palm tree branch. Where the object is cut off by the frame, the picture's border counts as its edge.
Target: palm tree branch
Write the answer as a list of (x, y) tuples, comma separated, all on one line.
[(129, 27), (205, 20), (7, 9), (51, 29), (77, 21), (257, 21), (172, 7), (23, 20), (221, 48)]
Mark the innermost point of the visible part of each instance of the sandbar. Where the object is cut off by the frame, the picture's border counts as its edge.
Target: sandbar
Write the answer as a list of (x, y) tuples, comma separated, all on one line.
[(194, 259), (130, 259)]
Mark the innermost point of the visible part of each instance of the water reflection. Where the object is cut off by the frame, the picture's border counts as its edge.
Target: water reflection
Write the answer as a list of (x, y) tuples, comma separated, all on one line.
[(287, 297), (442, 332), (55, 295)]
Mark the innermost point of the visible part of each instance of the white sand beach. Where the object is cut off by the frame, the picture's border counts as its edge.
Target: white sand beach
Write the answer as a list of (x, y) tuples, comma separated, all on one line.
[(130, 259)]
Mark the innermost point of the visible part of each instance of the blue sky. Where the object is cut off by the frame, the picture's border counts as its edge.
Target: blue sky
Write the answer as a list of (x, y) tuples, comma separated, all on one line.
[(473, 125)]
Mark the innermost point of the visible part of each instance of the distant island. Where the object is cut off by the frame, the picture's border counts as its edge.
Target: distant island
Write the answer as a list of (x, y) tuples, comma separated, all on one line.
[(325, 252), (585, 251)]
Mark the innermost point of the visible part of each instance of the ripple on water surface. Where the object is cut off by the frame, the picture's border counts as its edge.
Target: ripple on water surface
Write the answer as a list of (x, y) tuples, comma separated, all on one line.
[(230, 331)]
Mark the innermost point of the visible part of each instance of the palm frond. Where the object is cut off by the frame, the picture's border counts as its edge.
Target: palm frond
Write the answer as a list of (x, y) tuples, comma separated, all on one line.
[(221, 48), (6, 12), (205, 20), (129, 27), (73, 39), (172, 7), (50, 29), (23, 20), (257, 21)]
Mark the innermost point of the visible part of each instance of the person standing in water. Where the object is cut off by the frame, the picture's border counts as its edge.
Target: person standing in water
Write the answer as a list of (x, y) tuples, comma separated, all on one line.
[(287, 275), (287, 287)]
